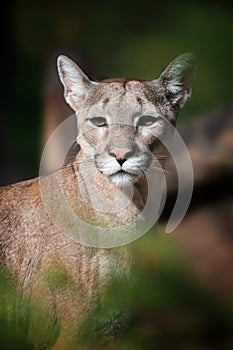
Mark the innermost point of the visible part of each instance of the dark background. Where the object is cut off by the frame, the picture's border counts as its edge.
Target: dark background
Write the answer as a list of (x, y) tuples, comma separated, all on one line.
[(184, 287), (109, 38)]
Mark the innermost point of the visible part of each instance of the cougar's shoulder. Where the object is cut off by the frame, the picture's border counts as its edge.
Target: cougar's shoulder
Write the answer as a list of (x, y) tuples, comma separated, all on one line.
[(14, 193)]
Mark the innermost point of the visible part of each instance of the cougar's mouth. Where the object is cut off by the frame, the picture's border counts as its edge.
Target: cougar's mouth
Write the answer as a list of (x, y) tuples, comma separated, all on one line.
[(120, 174), (122, 178)]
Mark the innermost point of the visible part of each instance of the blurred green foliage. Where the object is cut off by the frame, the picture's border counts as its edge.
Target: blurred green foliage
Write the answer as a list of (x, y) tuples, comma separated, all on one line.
[(160, 307), (13, 317), (168, 309)]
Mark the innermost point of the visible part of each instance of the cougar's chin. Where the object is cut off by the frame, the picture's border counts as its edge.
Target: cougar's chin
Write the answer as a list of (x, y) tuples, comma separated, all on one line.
[(122, 178), (120, 175)]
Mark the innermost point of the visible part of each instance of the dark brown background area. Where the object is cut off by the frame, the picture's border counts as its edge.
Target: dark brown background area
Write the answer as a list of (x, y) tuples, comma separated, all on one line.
[(121, 38)]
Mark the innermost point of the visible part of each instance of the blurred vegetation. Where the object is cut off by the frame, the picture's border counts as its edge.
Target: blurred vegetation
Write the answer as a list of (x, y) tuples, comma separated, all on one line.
[(161, 307), (168, 309), (13, 325)]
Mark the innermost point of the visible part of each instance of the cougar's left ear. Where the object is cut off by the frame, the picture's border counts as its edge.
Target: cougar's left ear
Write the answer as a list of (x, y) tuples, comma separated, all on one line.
[(176, 80), (76, 82)]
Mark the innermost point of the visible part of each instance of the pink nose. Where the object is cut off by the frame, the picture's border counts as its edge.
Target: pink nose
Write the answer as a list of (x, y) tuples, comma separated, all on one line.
[(121, 154)]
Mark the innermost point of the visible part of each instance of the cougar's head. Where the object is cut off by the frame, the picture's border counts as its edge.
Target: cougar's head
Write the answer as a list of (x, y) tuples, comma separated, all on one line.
[(122, 122)]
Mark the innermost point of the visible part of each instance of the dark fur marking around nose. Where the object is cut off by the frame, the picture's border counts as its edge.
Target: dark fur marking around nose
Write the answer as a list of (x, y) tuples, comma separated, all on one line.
[(140, 101), (124, 86)]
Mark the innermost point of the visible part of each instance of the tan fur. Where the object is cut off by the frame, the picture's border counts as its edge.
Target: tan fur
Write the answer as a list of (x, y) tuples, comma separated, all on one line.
[(63, 276), (34, 250)]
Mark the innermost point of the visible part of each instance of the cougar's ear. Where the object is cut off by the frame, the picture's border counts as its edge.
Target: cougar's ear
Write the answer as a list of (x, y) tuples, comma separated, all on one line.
[(176, 80), (76, 82)]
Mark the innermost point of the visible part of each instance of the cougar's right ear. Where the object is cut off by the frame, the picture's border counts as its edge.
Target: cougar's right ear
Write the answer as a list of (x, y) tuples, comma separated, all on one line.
[(76, 83)]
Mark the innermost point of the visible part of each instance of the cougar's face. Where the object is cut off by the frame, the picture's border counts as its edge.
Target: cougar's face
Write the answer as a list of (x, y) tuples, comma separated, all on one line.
[(123, 130), (122, 123)]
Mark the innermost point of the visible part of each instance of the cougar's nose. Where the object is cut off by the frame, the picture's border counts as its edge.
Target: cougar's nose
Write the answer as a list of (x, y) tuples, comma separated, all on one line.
[(121, 154)]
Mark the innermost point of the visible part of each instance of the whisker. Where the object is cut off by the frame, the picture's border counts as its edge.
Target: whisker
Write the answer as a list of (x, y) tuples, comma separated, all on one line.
[(88, 172), (83, 161), (161, 157), (73, 176), (76, 162), (164, 170), (74, 142)]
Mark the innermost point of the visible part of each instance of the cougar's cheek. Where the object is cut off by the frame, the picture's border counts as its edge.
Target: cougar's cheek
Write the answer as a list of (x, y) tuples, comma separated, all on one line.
[(139, 163), (105, 165), (98, 162)]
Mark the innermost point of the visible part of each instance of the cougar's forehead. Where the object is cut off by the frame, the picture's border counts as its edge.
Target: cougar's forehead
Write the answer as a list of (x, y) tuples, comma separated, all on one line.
[(120, 99)]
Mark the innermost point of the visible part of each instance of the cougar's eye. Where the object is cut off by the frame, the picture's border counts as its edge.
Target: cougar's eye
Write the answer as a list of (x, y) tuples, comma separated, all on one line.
[(98, 121), (146, 120)]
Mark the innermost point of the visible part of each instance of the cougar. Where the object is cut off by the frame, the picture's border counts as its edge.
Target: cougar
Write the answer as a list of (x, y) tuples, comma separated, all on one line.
[(120, 124)]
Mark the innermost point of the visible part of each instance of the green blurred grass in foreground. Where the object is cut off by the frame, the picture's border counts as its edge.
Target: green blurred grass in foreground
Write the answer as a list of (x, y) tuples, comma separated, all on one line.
[(162, 307)]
